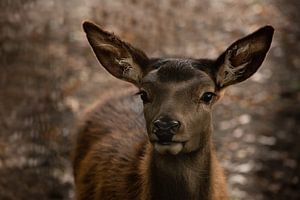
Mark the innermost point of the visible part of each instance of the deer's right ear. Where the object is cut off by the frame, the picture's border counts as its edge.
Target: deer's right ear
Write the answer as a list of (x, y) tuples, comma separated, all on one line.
[(118, 57)]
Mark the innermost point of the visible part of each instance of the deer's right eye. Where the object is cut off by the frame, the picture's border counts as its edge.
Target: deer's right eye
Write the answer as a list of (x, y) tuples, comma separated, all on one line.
[(144, 96)]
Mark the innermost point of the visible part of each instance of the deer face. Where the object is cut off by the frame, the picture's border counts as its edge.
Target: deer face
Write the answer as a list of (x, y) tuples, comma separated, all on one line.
[(178, 94), (177, 105)]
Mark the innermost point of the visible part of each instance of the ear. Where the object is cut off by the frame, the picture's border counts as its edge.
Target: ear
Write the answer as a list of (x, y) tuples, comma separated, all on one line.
[(118, 58), (243, 58)]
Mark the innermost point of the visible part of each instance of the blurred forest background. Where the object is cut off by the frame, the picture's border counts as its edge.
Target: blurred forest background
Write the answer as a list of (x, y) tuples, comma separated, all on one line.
[(49, 75)]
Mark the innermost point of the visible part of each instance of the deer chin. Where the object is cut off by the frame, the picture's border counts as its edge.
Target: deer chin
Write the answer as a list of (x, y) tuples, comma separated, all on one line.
[(171, 148)]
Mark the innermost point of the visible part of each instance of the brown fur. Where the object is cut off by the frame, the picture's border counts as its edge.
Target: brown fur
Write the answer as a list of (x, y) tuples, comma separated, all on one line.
[(121, 155), (116, 162)]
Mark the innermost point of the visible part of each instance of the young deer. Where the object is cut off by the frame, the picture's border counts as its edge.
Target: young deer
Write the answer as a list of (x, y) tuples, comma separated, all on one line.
[(167, 154)]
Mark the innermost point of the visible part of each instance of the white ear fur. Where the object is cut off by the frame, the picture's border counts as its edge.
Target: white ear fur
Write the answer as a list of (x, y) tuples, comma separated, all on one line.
[(228, 72), (117, 57), (244, 57), (130, 69)]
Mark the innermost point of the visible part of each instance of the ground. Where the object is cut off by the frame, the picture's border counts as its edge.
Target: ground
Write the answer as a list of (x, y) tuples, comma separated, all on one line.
[(49, 75)]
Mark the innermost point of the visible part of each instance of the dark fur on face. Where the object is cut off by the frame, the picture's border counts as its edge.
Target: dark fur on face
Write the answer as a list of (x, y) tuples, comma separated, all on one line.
[(175, 70)]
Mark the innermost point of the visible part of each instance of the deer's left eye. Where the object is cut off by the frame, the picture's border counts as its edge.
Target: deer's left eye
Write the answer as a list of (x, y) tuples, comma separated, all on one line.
[(144, 96), (207, 97)]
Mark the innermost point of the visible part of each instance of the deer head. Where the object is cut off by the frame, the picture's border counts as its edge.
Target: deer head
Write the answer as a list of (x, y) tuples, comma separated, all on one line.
[(178, 94)]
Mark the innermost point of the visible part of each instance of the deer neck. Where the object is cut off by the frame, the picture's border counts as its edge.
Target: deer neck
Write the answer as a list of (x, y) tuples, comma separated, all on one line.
[(185, 176)]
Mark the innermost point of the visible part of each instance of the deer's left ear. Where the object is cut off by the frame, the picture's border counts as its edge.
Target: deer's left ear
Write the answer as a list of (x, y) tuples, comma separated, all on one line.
[(243, 58)]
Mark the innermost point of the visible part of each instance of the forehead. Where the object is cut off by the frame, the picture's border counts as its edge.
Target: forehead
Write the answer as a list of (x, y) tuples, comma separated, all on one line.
[(178, 72)]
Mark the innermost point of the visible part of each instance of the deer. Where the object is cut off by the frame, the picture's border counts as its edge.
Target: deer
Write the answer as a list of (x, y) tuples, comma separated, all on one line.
[(154, 142)]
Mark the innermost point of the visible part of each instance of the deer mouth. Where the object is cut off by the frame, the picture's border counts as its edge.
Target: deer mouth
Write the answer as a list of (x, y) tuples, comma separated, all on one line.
[(161, 142), (164, 143), (168, 147)]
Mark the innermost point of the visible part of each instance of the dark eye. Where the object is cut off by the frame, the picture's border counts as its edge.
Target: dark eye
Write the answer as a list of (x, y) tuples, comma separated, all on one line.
[(207, 97), (144, 96)]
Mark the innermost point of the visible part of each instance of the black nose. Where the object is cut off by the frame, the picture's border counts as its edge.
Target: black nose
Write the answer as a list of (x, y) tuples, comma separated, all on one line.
[(165, 129), (166, 124)]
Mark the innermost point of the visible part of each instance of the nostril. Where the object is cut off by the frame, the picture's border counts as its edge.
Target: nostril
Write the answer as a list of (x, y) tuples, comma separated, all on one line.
[(166, 125), (175, 124), (157, 123)]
